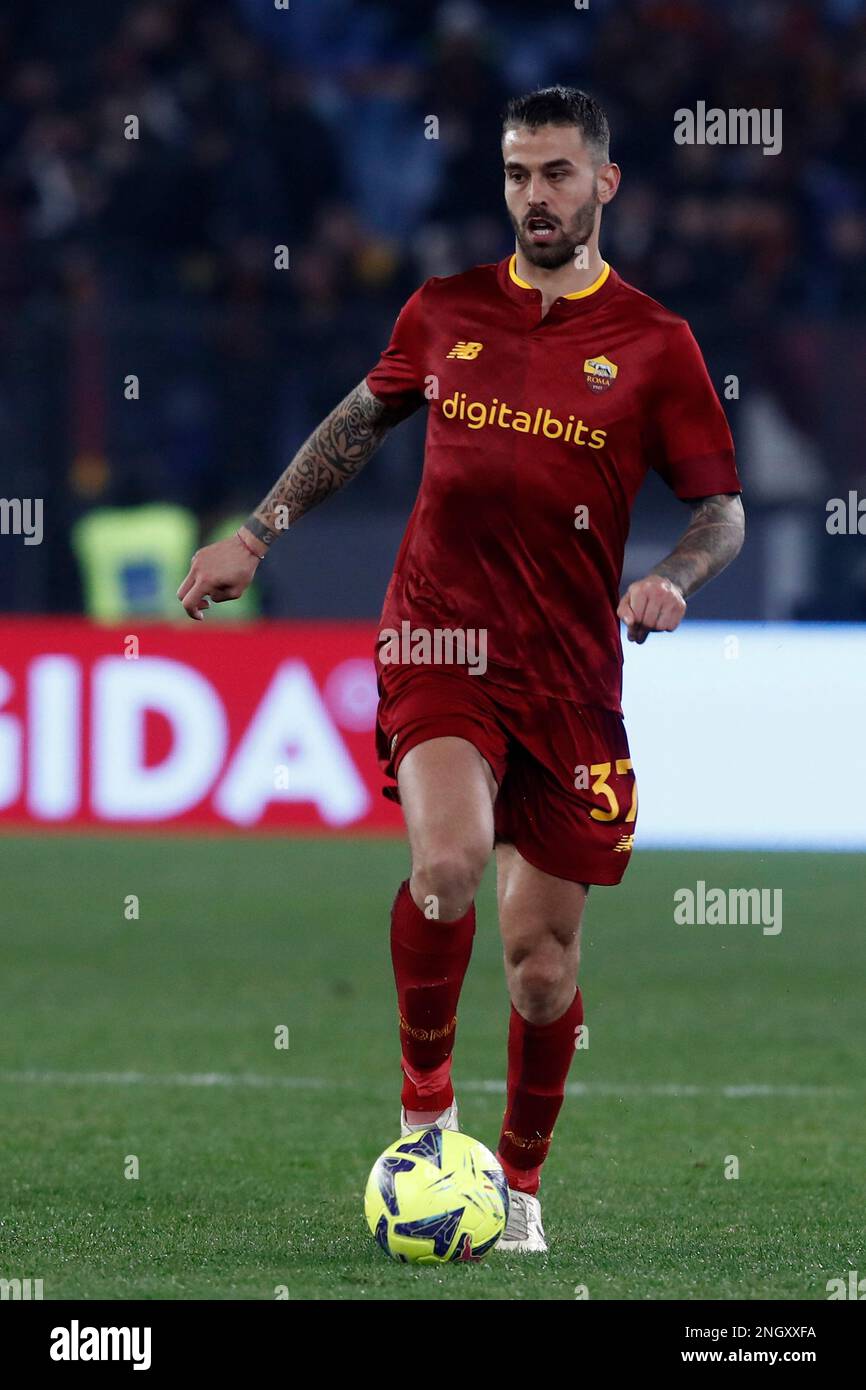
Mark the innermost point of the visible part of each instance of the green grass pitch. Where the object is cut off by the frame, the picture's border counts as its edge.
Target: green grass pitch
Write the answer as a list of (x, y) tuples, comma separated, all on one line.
[(255, 1180)]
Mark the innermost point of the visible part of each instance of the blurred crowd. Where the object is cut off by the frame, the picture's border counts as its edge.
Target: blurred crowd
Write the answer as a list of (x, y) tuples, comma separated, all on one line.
[(306, 127)]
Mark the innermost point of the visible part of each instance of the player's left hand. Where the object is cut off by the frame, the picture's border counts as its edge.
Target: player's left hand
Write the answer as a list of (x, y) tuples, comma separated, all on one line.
[(650, 605)]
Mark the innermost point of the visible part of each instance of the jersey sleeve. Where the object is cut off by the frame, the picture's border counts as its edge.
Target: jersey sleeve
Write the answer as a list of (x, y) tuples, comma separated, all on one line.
[(398, 377), (691, 445)]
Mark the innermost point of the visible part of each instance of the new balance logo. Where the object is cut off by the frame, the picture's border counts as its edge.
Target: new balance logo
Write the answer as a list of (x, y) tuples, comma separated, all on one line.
[(465, 351), (624, 845)]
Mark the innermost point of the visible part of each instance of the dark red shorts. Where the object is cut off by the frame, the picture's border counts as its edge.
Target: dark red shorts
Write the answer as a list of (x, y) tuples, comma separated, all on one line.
[(567, 796)]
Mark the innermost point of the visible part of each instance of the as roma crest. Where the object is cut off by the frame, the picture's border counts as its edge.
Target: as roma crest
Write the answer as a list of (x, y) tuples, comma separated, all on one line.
[(600, 373)]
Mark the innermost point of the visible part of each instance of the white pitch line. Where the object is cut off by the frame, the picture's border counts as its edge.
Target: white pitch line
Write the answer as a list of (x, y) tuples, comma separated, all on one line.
[(139, 1078), (319, 1083)]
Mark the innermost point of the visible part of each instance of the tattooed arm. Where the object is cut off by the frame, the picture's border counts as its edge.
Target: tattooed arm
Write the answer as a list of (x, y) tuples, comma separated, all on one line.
[(336, 450), (331, 457), (713, 539)]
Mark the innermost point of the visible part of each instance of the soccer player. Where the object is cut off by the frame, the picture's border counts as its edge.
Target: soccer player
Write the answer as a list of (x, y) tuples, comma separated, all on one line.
[(552, 387)]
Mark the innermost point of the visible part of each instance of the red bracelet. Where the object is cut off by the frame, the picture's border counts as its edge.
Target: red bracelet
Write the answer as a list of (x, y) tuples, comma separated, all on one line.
[(248, 547)]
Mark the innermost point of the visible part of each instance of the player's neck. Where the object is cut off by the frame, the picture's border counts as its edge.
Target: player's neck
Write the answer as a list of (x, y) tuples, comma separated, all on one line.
[(565, 279)]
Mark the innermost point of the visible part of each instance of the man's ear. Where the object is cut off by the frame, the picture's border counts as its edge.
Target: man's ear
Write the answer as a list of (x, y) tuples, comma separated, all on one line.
[(608, 177)]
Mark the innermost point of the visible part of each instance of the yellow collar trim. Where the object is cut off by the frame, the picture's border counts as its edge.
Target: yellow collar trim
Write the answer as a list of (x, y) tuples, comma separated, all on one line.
[(578, 294)]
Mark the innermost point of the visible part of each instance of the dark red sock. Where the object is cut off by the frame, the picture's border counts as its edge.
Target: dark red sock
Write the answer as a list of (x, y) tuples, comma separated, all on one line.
[(539, 1056), (430, 960)]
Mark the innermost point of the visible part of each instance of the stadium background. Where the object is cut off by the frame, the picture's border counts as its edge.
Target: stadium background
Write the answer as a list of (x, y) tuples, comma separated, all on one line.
[(304, 127)]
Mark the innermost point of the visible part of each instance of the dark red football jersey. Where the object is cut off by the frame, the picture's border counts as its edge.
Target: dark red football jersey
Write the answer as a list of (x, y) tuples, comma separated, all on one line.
[(540, 432)]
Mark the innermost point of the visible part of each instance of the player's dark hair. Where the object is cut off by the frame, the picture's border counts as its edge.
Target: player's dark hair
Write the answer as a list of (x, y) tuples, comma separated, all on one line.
[(561, 106)]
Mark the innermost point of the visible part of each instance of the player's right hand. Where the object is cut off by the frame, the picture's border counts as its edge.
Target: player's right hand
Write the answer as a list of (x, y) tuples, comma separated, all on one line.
[(217, 572)]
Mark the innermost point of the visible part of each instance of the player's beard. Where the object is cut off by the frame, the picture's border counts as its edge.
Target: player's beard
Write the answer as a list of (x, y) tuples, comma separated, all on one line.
[(562, 248)]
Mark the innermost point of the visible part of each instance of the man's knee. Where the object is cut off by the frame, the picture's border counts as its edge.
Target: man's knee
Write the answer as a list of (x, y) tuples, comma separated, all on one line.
[(542, 964), (444, 881), (538, 975)]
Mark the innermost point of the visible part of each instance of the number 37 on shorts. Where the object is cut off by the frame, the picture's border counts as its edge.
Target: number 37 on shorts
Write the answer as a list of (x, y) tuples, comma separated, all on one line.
[(612, 787)]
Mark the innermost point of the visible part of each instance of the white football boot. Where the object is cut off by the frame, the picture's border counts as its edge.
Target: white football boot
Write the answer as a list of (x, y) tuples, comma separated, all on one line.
[(447, 1120), (523, 1229)]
